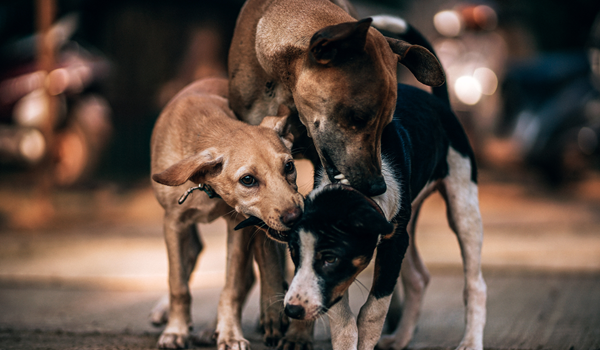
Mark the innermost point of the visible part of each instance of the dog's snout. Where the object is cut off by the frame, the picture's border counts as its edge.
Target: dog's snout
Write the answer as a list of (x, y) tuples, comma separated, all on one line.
[(290, 216), (378, 187), (295, 311), (374, 187)]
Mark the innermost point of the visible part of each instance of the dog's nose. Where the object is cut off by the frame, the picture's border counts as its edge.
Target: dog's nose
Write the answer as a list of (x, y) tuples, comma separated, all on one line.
[(294, 311), (376, 187), (290, 216)]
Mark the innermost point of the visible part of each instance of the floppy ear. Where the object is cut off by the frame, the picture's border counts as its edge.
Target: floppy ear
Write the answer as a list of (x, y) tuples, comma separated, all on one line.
[(279, 125), (328, 41), (365, 215), (420, 61), (195, 168)]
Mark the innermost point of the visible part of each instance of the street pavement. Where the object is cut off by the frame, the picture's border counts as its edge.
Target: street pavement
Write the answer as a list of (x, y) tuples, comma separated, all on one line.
[(89, 278)]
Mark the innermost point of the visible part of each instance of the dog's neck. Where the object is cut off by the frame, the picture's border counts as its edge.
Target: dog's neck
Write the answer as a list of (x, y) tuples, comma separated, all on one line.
[(204, 187), (389, 201)]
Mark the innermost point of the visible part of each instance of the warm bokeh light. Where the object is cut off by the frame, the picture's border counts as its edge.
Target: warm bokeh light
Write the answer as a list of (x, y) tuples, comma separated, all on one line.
[(31, 110), (487, 79), (448, 23), (468, 90), (485, 17), (32, 146)]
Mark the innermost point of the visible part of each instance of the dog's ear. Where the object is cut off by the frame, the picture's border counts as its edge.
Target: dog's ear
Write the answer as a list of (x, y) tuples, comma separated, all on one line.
[(280, 126), (420, 61), (328, 41), (371, 219), (195, 168)]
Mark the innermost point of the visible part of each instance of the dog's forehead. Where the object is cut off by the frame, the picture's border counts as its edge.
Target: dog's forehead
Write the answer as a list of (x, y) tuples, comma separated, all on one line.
[(263, 163)]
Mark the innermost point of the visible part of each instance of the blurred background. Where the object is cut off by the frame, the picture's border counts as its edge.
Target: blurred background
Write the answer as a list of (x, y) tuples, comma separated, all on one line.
[(83, 81)]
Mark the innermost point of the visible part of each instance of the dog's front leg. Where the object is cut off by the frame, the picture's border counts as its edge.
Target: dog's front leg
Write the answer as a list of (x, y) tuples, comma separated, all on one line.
[(371, 318), (237, 284), (270, 260), (183, 247), (342, 322)]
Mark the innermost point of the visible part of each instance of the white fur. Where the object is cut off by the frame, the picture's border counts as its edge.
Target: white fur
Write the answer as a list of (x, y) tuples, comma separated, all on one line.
[(390, 23), (344, 331), (465, 219), (304, 289), (389, 201), (370, 321)]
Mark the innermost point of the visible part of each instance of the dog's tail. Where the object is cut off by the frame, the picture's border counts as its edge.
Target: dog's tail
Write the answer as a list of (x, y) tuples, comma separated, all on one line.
[(398, 28)]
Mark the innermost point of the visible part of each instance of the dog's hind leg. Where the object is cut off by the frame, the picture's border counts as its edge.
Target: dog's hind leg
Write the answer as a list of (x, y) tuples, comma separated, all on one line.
[(183, 248), (415, 279), (461, 196), (160, 312)]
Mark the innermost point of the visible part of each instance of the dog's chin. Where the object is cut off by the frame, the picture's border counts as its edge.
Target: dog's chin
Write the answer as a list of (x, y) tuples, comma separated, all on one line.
[(278, 236), (315, 315)]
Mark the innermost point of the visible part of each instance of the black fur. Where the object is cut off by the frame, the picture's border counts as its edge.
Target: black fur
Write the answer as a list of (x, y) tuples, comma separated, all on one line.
[(340, 234), (415, 145)]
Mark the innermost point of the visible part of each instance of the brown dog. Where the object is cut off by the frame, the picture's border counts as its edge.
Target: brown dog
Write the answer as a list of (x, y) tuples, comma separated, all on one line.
[(250, 171), (337, 73)]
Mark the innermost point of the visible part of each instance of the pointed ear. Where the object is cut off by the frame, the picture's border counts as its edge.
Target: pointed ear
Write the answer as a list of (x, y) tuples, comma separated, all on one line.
[(195, 168), (420, 61), (328, 41), (280, 126)]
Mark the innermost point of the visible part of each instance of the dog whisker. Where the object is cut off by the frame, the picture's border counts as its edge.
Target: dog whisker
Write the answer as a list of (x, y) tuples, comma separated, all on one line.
[(331, 315), (274, 301), (252, 236), (363, 289)]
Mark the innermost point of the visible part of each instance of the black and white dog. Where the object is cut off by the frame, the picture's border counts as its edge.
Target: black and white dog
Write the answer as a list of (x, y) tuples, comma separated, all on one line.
[(424, 149)]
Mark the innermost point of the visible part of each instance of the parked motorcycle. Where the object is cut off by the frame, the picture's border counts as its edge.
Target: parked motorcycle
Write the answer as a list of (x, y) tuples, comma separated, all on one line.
[(31, 98), (552, 111)]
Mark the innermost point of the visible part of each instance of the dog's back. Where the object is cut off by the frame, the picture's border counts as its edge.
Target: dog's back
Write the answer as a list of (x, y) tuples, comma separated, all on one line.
[(418, 139), (190, 109)]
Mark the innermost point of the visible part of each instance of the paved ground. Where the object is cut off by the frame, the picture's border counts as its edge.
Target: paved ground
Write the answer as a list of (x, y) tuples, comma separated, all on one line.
[(89, 279)]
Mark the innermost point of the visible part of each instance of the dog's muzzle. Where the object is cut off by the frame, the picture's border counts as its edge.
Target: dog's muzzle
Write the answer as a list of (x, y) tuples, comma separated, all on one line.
[(279, 236)]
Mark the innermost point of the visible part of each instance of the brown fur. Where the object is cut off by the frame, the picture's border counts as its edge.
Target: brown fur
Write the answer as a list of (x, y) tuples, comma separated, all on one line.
[(338, 74), (198, 140)]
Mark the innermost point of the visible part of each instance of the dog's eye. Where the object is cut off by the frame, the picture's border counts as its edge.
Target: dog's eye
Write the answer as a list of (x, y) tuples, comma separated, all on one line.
[(329, 260), (289, 167), (248, 181)]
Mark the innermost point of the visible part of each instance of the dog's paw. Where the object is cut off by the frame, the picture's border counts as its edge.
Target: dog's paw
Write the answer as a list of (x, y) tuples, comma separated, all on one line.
[(469, 346), (205, 337), (233, 344), (159, 315), (299, 337), (173, 341), (274, 324), (389, 342), (291, 343)]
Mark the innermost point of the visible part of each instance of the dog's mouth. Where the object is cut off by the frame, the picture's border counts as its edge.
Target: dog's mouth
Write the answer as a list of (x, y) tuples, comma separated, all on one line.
[(334, 175), (279, 236)]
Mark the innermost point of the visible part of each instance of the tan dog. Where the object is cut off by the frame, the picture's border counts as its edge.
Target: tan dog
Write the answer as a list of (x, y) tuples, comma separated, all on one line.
[(337, 73), (198, 140)]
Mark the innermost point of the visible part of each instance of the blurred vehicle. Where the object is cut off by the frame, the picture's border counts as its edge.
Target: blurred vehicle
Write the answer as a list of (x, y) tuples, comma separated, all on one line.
[(551, 110), (63, 98), (473, 54)]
